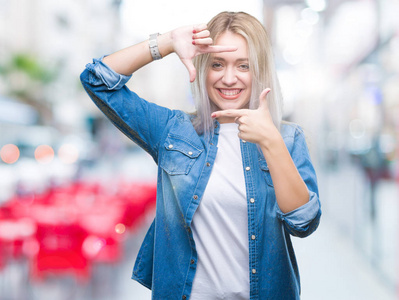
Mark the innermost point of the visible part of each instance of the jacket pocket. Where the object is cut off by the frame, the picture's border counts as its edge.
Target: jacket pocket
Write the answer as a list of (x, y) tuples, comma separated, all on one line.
[(179, 155), (265, 170)]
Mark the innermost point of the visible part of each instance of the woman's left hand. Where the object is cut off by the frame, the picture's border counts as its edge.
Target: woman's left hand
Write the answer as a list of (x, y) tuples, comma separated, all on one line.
[(255, 125)]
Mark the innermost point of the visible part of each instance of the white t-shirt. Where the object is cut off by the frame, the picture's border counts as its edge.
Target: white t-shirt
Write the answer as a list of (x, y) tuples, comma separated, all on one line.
[(220, 226)]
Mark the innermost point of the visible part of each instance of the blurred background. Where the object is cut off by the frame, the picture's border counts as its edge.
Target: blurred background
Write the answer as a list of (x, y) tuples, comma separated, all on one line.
[(76, 196)]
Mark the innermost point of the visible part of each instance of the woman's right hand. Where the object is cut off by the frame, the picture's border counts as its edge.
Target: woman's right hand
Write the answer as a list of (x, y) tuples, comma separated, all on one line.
[(190, 41)]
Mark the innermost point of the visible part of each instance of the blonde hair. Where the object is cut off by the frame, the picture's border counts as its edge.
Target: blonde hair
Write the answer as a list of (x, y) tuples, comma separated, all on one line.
[(261, 64)]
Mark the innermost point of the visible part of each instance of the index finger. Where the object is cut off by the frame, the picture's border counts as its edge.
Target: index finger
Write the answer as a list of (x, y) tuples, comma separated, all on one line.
[(218, 49), (199, 27), (231, 113)]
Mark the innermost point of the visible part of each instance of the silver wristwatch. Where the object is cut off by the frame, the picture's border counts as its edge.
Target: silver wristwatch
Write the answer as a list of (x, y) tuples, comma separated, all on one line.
[(153, 43)]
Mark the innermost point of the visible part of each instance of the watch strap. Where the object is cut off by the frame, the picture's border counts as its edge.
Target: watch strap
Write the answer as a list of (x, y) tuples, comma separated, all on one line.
[(153, 43)]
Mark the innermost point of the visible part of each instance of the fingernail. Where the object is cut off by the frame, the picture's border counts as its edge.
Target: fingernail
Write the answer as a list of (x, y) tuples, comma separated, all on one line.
[(194, 31), (193, 42), (213, 115)]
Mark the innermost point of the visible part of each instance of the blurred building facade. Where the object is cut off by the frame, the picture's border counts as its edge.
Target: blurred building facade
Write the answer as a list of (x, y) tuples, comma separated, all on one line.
[(338, 64)]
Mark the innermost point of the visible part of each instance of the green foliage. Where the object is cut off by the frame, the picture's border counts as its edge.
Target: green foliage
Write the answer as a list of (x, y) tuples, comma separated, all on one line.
[(31, 66)]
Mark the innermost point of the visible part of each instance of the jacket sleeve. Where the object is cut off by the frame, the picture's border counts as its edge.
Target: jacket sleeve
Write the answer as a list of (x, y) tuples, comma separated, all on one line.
[(141, 121), (304, 220)]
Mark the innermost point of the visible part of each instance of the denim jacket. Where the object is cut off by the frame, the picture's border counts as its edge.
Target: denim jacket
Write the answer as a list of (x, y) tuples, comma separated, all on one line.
[(166, 262)]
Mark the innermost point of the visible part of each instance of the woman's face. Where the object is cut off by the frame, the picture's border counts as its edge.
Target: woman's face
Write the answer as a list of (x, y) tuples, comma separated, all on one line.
[(229, 80)]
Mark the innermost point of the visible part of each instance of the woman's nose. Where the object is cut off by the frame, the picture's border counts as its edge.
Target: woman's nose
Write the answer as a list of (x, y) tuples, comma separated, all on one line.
[(229, 77)]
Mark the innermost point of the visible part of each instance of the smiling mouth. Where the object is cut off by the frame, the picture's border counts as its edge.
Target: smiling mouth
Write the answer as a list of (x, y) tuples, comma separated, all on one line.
[(229, 93)]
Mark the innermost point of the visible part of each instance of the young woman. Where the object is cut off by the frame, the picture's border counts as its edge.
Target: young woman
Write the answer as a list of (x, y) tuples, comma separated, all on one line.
[(234, 182)]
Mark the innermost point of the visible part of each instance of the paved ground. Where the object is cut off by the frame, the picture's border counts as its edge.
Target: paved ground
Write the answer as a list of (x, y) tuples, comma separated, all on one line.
[(332, 269)]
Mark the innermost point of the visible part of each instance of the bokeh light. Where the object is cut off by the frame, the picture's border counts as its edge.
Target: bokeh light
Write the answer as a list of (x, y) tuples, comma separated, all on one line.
[(44, 154), (120, 228), (310, 16), (92, 245), (357, 128), (68, 154), (9, 153)]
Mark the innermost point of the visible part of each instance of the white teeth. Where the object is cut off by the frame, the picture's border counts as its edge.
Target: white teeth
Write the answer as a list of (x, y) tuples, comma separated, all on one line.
[(230, 92)]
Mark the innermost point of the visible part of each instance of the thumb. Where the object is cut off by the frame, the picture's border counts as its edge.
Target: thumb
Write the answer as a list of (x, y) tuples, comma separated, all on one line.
[(190, 67), (263, 99)]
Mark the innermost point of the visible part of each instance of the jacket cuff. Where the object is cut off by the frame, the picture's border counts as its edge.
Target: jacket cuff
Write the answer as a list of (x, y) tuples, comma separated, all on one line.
[(106, 75), (299, 219)]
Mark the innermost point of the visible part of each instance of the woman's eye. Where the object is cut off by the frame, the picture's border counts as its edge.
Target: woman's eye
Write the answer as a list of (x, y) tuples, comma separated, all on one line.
[(244, 67), (216, 65)]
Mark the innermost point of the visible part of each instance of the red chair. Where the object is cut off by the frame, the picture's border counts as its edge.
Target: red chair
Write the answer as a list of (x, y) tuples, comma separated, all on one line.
[(60, 252), (13, 235)]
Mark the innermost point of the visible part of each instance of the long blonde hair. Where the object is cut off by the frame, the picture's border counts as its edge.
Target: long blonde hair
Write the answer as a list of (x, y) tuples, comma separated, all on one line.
[(261, 64)]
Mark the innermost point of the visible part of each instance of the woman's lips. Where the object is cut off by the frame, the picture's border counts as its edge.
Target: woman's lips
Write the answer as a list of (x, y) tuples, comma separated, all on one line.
[(229, 94)]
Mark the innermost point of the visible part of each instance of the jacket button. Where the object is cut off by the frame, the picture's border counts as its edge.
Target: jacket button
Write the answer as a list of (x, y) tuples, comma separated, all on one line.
[(253, 237), (244, 141), (184, 297), (195, 197), (247, 168), (192, 261), (170, 146), (208, 164), (190, 153), (253, 271), (252, 200)]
